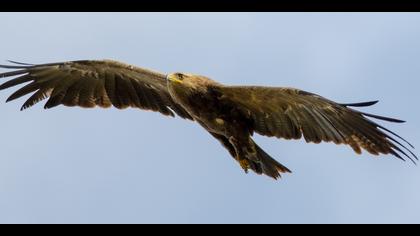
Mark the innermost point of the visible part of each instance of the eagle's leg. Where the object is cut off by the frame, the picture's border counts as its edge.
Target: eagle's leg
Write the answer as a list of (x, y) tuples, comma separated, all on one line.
[(244, 152)]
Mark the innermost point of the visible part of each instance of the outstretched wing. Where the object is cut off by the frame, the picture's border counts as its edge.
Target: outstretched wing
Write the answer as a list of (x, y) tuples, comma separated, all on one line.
[(91, 83), (291, 113)]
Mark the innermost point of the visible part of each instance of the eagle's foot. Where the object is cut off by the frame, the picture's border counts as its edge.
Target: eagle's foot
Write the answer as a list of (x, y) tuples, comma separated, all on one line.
[(244, 164)]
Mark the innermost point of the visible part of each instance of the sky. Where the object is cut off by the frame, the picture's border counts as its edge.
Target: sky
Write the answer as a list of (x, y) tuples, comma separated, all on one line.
[(75, 165)]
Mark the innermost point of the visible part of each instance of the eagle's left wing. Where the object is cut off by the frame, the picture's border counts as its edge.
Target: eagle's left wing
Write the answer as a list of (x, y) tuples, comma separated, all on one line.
[(291, 113)]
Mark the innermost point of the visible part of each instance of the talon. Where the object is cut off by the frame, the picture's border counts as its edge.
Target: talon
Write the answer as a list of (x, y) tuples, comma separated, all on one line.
[(244, 164)]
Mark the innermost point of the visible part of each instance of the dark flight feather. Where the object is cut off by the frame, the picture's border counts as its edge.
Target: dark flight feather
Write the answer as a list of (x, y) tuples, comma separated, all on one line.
[(360, 104)]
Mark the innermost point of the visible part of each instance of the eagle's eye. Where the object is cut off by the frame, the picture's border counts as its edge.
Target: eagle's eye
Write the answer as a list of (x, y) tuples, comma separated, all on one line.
[(180, 76)]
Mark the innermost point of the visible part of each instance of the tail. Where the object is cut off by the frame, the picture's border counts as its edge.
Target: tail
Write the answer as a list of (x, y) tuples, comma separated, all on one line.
[(267, 165)]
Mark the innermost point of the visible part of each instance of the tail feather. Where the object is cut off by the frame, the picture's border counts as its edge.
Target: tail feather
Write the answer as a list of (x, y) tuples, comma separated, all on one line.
[(267, 165), (258, 161)]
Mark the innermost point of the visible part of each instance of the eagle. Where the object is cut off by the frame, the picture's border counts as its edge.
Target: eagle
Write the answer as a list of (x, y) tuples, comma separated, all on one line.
[(231, 114)]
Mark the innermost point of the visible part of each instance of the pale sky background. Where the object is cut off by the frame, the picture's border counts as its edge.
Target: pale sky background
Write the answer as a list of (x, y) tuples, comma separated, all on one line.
[(74, 165)]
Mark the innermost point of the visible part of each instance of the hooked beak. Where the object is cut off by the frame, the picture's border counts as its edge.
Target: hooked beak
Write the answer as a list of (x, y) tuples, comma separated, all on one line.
[(174, 78)]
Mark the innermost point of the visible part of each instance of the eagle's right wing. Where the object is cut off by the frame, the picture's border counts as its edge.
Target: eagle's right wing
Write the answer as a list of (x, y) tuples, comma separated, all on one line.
[(91, 83)]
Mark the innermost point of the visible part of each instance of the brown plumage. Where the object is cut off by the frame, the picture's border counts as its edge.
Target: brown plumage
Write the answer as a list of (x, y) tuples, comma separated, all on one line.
[(231, 114)]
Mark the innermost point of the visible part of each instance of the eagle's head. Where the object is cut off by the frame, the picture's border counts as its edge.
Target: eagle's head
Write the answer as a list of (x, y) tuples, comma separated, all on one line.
[(189, 81)]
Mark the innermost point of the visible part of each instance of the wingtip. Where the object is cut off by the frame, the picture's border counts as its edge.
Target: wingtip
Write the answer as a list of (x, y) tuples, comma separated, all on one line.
[(360, 104), (389, 119), (20, 63), (397, 120), (13, 66)]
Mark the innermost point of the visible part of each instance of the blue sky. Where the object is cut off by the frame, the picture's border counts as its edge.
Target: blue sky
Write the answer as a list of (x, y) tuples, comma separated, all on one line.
[(74, 165)]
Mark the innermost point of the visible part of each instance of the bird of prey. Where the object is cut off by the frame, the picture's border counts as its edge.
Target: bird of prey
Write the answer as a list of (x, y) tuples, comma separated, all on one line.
[(231, 114)]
